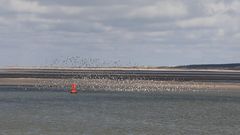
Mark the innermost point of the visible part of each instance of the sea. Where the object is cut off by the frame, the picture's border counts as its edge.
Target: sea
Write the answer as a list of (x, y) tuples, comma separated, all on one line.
[(53, 111)]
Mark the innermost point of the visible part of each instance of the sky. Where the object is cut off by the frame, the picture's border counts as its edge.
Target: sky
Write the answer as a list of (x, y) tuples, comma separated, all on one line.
[(139, 32)]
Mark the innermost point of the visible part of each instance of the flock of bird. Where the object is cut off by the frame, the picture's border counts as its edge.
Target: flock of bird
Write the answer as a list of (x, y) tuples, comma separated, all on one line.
[(77, 61)]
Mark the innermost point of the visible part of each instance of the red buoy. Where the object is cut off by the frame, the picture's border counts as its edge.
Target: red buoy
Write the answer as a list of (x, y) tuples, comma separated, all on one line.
[(74, 88)]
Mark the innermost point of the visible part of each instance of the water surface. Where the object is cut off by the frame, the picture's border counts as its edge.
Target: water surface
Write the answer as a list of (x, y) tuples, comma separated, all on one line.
[(56, 112)]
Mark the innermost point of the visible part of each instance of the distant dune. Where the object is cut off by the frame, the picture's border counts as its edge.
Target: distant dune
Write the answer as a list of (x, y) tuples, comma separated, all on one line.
[(231, 66)]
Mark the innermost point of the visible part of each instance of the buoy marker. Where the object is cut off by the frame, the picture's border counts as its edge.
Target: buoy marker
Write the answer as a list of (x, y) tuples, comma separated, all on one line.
[(74, 88)]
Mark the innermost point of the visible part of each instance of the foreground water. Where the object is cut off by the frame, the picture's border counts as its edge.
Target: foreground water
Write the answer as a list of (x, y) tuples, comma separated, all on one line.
[(56, 112)]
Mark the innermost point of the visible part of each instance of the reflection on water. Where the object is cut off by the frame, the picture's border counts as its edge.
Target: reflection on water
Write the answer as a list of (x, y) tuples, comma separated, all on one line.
[(55, 112)]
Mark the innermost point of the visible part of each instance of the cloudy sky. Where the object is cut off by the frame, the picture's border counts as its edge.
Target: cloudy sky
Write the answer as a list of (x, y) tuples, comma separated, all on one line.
[(144, 32)]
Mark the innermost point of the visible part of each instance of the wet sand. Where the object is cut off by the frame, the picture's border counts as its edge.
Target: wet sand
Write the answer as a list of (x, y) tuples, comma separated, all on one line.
[(120, 85)]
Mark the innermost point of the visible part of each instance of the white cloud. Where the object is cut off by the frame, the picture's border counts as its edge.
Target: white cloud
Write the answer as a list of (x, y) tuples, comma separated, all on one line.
[(32, 6), (160, 9), (4, 21), (130, 28), (220, 33), (197, 22), (70, 10), (36, 19), (27, 6), (158, 33), (223, 21), (220, 7)]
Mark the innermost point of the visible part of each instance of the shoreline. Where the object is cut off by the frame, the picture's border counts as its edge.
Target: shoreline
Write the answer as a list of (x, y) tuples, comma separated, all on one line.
[(113, 69)]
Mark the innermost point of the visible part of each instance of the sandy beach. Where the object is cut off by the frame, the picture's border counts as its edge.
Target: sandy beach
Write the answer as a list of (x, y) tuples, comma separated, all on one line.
[(122, 79)]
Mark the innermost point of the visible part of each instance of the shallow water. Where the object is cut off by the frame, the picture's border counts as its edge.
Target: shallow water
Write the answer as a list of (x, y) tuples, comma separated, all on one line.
[(56, 112)]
